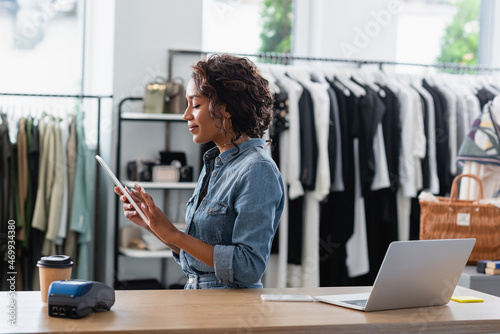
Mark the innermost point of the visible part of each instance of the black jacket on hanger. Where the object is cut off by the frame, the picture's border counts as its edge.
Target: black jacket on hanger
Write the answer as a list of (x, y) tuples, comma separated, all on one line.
[(426, 172), (332, 136), (381, 205), (308, 166), (392, 135), (280, 124), (6, 197), (33, 253), (442, 138), (308, 143), (371, 111), (280, 121), (337, 210)]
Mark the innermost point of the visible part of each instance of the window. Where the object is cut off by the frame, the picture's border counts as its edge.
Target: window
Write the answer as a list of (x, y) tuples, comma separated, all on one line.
[(431, 31), (42, 44), (247, 26)]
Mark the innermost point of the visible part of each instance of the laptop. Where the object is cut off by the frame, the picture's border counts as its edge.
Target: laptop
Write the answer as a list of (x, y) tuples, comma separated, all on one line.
[(413, 274)]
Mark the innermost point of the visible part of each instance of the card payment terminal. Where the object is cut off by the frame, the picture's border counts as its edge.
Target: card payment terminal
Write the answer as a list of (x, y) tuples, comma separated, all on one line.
[(77, 298)]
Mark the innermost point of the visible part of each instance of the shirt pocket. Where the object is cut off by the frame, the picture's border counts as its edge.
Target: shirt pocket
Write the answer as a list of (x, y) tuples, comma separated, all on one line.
[(211, 218)]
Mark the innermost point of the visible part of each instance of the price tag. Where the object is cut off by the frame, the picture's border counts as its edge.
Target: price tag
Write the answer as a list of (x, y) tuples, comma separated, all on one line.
[(463, 219)]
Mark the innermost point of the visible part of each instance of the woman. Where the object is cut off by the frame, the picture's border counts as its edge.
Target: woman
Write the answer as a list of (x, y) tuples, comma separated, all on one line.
[(232, 217)]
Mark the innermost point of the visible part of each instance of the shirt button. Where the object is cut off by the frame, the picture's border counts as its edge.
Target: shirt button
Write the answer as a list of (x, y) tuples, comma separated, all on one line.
[(214, 173)]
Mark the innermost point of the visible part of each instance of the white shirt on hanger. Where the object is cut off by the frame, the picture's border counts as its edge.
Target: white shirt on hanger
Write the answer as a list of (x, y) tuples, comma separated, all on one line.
[(63, 224), (338, 180), (473, 107), (451, 102), (406, 157), (381, 178), (290, 139), (419, 138), (310, 254), (289, 167), (357, 260), (322, 121)]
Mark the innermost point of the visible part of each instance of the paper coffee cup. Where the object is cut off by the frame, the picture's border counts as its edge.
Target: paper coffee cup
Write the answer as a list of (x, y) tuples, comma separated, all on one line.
[(53, 268)]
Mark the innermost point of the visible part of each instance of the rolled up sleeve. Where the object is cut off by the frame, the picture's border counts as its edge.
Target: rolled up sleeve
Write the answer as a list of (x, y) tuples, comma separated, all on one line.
[(223, 263), (258, 206)]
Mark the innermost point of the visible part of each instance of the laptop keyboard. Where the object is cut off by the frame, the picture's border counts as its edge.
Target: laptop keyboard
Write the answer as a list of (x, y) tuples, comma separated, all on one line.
[(358, 302)]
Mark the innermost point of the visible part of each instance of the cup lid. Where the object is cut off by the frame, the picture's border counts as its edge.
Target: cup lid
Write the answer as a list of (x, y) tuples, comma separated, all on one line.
[(55, 261)]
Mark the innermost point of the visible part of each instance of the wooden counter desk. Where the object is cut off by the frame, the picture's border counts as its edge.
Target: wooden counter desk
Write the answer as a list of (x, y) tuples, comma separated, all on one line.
[(242, 311)]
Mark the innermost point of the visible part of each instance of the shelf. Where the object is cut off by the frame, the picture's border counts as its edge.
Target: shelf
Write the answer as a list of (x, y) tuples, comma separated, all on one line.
[(139, 253), (162, 185), (138, 116), (120, 253)]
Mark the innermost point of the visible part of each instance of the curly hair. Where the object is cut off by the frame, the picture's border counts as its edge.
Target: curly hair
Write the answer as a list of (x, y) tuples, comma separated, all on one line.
[(236, 83)]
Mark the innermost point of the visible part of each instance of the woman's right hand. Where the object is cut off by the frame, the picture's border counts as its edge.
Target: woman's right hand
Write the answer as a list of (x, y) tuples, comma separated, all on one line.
[(128, 210)]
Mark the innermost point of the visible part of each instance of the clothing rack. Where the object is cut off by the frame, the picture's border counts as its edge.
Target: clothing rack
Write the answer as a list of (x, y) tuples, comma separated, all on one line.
[(97, 199), (287, 58)]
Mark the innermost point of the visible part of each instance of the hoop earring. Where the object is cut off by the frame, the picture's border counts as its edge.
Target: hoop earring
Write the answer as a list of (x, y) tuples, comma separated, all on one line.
[(224, 123)]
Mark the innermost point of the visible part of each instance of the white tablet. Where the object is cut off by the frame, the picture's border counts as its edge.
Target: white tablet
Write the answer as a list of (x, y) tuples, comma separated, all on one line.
[(287, 298), (122, 188)]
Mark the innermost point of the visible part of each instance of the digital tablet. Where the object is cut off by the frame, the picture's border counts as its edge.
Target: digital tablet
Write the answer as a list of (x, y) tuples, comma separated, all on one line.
[(287, 298), (122, 188)]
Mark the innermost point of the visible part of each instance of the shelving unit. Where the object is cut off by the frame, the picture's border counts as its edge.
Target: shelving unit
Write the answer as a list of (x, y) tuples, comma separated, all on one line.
[(166, 186)]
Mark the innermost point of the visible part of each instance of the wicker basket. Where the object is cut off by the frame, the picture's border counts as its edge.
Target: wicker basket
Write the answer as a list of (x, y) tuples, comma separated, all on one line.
[(451, 218)]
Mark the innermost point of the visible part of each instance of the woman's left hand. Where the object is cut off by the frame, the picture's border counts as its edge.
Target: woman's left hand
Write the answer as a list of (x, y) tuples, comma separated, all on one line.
[(158, 221)]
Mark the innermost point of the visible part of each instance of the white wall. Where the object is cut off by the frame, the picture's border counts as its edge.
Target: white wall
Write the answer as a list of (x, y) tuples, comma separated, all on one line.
[(420, 42), (98, 80), (50, 61), (489, 34), (99, 47), (144, 30), (236, 21), (347, 29)]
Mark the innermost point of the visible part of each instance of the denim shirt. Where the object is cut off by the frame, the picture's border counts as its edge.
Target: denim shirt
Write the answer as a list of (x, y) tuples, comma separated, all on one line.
[(239, 215)]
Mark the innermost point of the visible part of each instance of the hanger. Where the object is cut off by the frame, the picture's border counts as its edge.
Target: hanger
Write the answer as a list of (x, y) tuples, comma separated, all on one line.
[(341, 86), (278, 70), (299, 73), (476, 83), (379, 76), (327, 72), (486, 84), (343, 76), (4, 118), (494, 82), (431, 79), (392, 79), (273, 87), (444, 80), (469, 81), (370, 80)]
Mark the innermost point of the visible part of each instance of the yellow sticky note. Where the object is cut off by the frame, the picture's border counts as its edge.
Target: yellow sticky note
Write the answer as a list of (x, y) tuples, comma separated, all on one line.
[(467, 299)]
